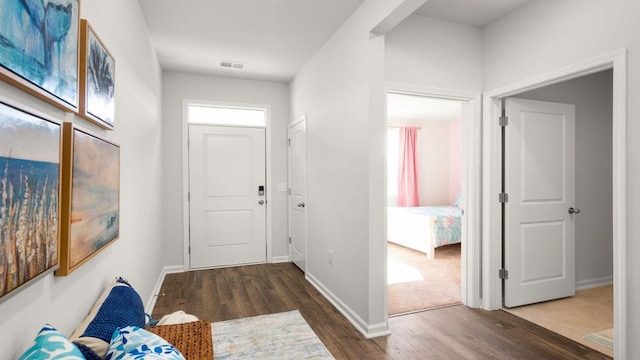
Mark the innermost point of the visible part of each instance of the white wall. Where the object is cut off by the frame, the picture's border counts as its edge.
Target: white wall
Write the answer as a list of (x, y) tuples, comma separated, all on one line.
[(180, 86), (593, 98), (137, 254), (434, 53), (455, 159), (346, 165), (548, 34)]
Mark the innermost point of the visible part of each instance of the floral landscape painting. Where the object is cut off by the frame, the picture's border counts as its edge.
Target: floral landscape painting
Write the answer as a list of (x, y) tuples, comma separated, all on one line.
[(39, 43), (29, 192), (94, 197)]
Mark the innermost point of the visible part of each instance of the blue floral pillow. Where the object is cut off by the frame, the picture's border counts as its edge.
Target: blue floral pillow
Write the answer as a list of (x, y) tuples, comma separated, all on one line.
[(458, 200), (132, 342), (51, 344)]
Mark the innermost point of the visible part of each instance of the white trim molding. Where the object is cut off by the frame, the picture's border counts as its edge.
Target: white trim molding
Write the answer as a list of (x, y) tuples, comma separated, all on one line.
[(368, 331), (593, 283), (491, 222), (472, 175), (151, 302)]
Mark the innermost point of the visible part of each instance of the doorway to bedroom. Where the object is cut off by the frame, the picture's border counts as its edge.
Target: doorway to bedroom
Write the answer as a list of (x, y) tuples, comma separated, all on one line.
[(425, 178)]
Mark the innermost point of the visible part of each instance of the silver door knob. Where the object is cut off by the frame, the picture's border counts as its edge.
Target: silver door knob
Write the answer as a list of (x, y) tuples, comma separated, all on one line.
[(574, 211), (261, 202), (301, 205)]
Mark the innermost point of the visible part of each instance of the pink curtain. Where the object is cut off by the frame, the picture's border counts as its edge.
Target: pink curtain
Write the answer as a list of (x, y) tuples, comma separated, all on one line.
[(407, 168)]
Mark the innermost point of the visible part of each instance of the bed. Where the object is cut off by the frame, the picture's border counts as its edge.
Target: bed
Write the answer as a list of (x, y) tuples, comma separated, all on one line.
[(424, 228)]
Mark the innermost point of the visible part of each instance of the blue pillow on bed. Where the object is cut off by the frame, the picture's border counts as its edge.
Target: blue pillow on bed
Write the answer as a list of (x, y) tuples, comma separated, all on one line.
[(458, 200)]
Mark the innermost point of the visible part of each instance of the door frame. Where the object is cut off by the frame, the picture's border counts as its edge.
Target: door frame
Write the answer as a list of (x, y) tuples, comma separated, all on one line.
[(185, 169), (492, 167), (291, 125), (472, 175)]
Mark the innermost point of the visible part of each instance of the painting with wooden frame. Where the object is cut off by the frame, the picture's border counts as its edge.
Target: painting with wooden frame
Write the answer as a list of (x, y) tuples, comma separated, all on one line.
[(29, 195), (39, 49), (90, 197), (97, 79)]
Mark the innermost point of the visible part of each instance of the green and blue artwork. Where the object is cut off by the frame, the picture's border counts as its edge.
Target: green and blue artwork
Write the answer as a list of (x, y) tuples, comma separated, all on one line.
[(39, 43)]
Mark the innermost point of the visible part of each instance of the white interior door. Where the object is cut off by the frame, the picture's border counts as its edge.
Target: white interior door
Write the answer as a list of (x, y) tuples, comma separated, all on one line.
[(540, 183), (298, 194), (227, 209)]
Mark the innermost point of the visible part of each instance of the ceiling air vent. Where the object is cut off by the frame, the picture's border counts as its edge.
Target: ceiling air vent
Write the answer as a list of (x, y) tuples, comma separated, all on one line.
[(232, 65)]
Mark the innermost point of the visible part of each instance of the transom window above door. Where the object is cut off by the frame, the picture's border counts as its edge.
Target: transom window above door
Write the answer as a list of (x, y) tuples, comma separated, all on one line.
[(227, 116)]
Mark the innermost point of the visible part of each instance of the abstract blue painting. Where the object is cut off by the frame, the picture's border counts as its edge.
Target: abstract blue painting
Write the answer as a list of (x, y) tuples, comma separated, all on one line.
[(39, 48), (29, 193)]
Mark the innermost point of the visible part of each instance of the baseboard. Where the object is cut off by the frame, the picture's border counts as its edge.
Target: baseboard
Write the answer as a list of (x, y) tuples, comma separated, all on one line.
[(279, 259), (151, 303), (592, 283), (368, 331)]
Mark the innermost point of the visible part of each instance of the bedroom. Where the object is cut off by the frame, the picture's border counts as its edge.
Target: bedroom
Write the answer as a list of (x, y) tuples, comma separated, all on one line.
[(424, 180)]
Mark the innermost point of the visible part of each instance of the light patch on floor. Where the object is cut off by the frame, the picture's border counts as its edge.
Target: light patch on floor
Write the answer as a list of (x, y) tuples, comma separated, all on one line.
[(589, 311), (399, 273)]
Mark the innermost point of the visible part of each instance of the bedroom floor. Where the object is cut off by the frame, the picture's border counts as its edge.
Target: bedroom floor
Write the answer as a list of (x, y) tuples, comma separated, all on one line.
[(589, 311), (416, 283)]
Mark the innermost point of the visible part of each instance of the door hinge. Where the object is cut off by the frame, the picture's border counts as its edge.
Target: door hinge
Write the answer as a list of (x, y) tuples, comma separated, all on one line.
[(189, 250), (189, 196), (289, 191), (289, 142), (503, 121), (503, 274), (289, 239), (503, 198)]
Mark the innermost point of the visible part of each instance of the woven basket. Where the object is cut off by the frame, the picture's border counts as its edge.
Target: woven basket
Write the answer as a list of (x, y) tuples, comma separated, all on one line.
[(192, 339)]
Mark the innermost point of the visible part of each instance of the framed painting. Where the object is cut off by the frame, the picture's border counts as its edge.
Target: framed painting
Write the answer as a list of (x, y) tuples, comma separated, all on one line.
[(90, 197), (39, 48), (29, 195), (97, 79)]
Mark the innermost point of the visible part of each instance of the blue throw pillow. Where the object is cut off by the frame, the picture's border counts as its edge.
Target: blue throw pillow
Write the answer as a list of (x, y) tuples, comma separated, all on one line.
[(131, 342), (118, 306), (53, 345)]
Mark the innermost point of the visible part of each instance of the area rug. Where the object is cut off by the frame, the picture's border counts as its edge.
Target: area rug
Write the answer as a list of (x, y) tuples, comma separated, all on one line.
[(283, 336), (604, 338), (415, 283)]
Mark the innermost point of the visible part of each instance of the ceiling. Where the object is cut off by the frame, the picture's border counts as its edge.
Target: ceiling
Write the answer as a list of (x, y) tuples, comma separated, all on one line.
[(469, 12), (274, 39)]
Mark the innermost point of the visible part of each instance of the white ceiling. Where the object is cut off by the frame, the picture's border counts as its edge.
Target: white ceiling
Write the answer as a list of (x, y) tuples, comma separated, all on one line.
[(274, 38), (422, 108), (469, 12)]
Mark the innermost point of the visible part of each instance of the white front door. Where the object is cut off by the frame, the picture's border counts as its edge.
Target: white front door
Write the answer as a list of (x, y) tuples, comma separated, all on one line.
[(298, 193), (227, 207), (540, 182)]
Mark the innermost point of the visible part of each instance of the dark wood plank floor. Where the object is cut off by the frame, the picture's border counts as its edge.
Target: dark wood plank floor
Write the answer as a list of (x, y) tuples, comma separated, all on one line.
[(451, 333)]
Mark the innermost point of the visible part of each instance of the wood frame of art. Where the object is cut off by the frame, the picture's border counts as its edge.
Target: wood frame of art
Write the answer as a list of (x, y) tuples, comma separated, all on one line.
[(97, 79), (29, 196), (39, 49), (90, 197)]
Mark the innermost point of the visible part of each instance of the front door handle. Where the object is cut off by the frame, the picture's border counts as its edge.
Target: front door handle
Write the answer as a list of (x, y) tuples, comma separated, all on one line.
[(301, 205), (574, 211)]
